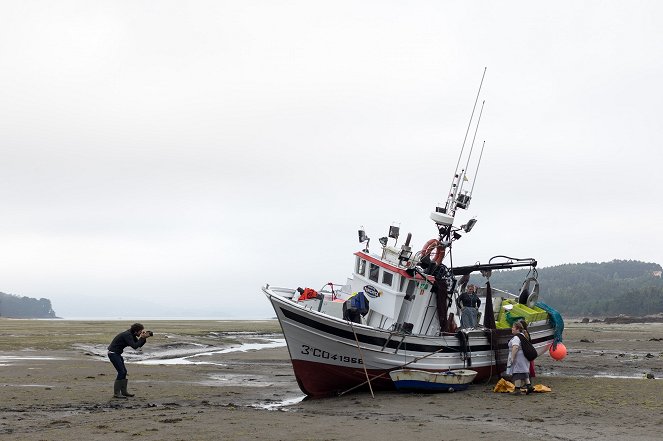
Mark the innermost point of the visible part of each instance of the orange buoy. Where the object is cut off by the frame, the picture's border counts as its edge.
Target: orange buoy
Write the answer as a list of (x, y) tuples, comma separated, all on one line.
[(559, 351)]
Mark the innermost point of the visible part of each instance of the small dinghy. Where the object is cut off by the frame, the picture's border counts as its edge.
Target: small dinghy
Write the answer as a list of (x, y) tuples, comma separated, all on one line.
[(416, 379)]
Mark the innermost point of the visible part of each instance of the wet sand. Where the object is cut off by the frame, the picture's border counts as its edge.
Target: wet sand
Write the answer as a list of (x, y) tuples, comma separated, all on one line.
[(209, 380)]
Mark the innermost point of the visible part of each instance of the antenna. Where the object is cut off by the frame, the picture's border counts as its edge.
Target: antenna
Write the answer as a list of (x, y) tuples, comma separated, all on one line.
[(477, 172), (444, 217), (452, 191), (459, 190)]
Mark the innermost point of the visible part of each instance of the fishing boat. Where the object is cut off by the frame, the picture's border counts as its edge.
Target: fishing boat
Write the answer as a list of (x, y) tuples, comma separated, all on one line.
[(399, 308), (426, 381)]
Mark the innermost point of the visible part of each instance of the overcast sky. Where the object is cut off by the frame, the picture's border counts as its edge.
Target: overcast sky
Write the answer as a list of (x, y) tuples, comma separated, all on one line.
[(168, 158)]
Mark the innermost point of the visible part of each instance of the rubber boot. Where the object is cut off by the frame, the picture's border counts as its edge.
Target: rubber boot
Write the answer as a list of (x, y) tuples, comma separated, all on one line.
[(530, 389), (123, 388), (518, 388), (117, 389)]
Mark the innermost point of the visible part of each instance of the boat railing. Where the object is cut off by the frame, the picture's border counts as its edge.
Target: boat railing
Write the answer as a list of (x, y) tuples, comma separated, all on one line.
[(332, 290), (293, 294), (282, 291), (515, 296)]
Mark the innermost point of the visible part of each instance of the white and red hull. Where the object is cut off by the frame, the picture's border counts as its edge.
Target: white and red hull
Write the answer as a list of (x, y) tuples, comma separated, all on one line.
[(331, 356)]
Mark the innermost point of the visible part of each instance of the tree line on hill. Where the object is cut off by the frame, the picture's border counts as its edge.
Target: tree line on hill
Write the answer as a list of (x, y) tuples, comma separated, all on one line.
[(628, 287), (25, 307), (604, 289)]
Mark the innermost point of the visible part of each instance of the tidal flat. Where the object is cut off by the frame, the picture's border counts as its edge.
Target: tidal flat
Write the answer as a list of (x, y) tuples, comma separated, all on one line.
[(208, 380)]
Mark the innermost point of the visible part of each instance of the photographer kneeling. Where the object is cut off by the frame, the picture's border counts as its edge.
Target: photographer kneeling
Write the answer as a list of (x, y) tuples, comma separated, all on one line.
[(135, 337)]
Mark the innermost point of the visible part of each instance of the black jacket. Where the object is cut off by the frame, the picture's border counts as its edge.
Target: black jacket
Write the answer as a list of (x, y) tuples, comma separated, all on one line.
[(467, 299), (124, 339)]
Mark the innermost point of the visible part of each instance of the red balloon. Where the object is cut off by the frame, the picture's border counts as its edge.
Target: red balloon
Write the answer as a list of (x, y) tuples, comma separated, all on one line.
[(559, 352)]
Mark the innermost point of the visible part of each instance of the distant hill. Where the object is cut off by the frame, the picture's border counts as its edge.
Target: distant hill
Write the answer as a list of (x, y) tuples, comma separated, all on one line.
[(602, 289), (25, 307), (594, 289)]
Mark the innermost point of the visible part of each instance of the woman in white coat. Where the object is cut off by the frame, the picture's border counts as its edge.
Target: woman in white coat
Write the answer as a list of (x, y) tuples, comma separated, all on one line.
[(517, 364)]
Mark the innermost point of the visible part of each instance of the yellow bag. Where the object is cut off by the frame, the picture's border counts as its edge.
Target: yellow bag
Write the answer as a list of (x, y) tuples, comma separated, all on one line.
[(541, 388), (504, 386)]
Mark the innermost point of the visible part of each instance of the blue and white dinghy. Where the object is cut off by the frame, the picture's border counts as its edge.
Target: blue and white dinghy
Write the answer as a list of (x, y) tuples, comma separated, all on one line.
[(427, 381)]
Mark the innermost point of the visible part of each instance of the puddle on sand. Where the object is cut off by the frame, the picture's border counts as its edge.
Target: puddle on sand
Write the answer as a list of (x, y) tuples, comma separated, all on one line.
[(279, 405), (7, 360), (242, 348), (243, 380), (633, 376), (627, 377)]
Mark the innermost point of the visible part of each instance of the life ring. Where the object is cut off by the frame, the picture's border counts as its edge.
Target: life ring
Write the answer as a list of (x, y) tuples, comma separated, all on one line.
[(431, 246)]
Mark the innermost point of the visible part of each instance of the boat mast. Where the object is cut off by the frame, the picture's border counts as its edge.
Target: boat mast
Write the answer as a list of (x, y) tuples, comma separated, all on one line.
[(450, 206), (444, 217)]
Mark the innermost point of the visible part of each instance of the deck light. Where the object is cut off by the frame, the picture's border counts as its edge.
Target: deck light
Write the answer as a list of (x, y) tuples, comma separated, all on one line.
[(469, 225), (364, 238)]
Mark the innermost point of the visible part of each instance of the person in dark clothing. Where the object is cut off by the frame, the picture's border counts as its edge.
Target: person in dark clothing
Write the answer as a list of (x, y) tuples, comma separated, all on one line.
[(469, 303), (135, 337)]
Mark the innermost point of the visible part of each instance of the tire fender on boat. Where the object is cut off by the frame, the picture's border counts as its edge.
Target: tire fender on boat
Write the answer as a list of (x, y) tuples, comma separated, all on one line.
[(529, 297), (431, 245)]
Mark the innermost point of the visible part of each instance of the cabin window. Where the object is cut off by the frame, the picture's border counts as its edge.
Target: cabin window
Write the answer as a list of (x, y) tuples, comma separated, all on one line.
[(387, 278), (361, 266), (411, 284), (373, 272), (410, 289)]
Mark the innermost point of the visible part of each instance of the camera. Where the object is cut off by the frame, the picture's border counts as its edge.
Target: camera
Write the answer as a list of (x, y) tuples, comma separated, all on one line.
[(150, 333)]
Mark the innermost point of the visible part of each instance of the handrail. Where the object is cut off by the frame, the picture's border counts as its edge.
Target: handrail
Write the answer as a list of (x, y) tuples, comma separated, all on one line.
[(504, 292)]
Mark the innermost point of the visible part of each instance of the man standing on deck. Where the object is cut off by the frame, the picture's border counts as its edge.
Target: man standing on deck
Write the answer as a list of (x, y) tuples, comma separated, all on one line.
[(469, 302), (136, 336)]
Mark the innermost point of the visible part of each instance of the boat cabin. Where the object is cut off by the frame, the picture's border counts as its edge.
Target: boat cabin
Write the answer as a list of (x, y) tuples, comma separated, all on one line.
[(403, 302), (395, 298)]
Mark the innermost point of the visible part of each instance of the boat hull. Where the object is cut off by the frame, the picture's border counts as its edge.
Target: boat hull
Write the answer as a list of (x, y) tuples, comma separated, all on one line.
[(331, 356)]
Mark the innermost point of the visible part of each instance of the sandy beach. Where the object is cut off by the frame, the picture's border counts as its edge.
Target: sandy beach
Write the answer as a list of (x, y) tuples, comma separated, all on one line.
[(205, 380)]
